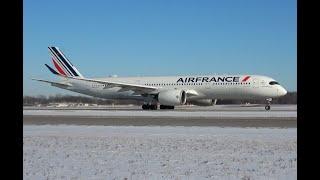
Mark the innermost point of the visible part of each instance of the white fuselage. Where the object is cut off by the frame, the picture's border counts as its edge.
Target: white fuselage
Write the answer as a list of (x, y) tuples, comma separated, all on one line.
[(203, 87)]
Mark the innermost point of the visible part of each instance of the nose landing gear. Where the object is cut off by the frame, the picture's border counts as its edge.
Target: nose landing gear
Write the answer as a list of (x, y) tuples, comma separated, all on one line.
[(267, 107)]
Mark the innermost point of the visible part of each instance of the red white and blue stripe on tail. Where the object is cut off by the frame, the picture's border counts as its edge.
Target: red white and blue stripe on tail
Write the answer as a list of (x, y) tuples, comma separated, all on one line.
[(63, 66)]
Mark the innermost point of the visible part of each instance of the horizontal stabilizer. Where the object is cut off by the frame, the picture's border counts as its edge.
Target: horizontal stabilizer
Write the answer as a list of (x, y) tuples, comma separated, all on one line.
[(59, 84), (52, 70)]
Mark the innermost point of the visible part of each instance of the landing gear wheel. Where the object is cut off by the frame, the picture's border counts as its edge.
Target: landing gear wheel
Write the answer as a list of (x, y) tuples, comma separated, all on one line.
[(154, 107), (166, 107), (145, 106), (267, 107)]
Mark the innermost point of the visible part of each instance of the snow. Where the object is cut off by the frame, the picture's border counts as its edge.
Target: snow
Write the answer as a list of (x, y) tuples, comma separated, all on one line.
[(111, 152), (140, 113)]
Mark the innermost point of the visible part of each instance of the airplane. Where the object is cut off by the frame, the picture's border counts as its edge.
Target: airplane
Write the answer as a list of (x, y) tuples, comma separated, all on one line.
[(166, 91)]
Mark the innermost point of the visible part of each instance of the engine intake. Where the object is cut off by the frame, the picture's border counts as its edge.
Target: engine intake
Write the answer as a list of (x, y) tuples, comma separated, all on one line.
[(172, 97)]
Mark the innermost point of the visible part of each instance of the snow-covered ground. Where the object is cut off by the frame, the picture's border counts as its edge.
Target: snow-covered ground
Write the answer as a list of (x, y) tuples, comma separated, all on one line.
[(127, 152)]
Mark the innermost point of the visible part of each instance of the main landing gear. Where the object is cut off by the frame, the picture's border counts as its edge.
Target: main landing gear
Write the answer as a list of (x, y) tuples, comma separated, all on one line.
[(166, 107), (150, 106), (267, 107), (155, 107)]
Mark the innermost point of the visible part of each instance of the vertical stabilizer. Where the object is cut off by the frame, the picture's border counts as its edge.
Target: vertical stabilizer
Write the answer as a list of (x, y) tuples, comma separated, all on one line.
[(62, 64)]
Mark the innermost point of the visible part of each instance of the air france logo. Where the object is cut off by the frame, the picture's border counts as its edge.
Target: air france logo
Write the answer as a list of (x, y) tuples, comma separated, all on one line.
[(212, 79), (245, 79)]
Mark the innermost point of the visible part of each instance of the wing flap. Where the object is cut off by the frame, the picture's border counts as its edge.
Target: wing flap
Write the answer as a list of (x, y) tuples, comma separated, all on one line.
[(138, 89)]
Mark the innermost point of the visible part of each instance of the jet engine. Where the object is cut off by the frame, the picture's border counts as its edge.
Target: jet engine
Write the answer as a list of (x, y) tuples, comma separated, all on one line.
[(172, 97), (203, 102)]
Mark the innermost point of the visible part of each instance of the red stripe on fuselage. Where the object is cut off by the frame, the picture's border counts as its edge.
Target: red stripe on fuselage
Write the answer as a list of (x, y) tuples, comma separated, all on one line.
[(58, 67), (245, 79)]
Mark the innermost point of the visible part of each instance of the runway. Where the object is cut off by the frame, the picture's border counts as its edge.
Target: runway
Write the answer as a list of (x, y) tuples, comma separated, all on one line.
[(282, 116), (249, 107)]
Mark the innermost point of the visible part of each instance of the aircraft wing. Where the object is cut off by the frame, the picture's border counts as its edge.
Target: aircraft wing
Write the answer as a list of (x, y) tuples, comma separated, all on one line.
[(59, 84), (138, 89)]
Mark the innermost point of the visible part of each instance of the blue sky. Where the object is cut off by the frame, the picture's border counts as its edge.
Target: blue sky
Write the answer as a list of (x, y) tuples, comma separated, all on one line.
[(161, 37)]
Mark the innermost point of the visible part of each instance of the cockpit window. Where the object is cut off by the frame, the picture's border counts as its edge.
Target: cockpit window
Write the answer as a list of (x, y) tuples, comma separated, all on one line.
[(273, 83)]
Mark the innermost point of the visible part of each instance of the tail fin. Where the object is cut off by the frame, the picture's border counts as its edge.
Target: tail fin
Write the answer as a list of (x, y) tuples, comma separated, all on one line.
[(62, 64)]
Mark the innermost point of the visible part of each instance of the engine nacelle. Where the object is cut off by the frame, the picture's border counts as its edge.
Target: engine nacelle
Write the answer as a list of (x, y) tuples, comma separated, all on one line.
[(172, 97), (203, 102)]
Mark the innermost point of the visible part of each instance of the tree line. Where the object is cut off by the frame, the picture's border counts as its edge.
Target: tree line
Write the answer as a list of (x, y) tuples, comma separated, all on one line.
[(45, 100), (290, 98)]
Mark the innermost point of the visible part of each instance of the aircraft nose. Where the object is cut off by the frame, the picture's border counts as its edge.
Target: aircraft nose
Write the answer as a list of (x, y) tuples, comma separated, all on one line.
[(282, 91)]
